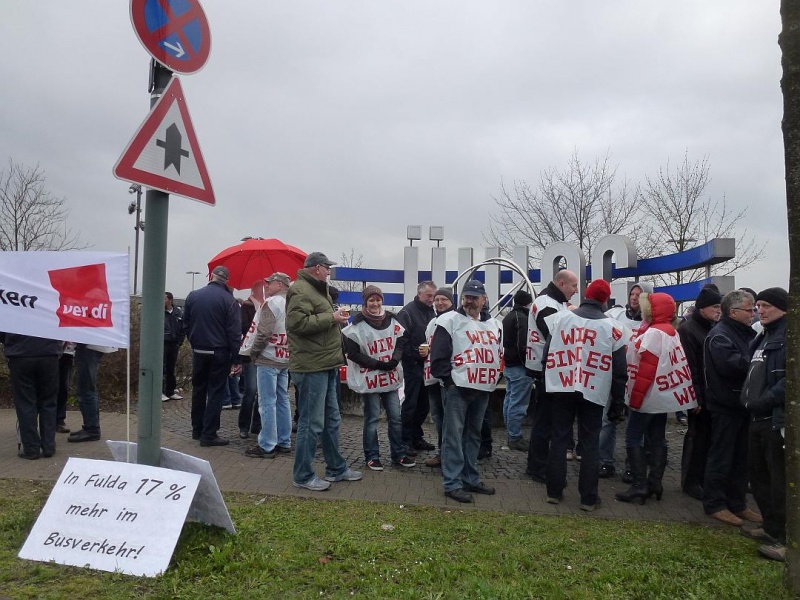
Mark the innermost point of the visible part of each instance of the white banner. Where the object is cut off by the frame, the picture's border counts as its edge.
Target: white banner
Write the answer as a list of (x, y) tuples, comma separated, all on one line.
[(71, 296)]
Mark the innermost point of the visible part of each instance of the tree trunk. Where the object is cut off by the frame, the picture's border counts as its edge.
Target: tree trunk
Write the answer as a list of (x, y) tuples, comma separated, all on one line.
[(789, 41)]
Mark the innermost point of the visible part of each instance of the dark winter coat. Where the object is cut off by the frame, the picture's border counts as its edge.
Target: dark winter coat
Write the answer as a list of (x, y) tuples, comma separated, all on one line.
[(28, 346), (726, 354), (515, 336), (212, 319), (764, 393), (173, 326), (693, 332), (414, 317)]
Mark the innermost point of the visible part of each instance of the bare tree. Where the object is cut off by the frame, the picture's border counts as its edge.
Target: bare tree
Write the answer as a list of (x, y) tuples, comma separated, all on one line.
[(680, 216), (789, 41), (31, 218), (352, 260), (579, 204)]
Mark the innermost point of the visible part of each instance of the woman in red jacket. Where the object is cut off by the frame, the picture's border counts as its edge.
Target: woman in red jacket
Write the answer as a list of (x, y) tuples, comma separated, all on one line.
[(660, 382)]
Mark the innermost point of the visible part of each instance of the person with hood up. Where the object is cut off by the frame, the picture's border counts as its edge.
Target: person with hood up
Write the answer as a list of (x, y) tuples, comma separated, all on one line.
[(630, 316), (660, 382), (373, 345)]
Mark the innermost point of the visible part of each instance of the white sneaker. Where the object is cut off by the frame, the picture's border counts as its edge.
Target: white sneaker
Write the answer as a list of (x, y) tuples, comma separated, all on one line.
[(348, 475), (315, 484), (176, 397), (164, 397)]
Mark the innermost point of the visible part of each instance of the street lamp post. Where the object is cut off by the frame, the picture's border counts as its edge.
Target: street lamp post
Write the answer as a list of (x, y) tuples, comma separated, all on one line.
[(136, 207), (193, 273)]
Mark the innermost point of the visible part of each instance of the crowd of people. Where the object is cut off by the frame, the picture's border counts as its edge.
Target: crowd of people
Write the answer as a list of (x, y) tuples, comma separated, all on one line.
[(440, 356)]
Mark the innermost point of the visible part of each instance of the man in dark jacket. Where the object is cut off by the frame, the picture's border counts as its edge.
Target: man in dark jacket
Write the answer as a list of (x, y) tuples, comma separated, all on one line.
[(212, 322), (33, 364), (173, 338), (414, 317), (726, 355), (693, 332), (588, 385), (518, 383), (764, 397)]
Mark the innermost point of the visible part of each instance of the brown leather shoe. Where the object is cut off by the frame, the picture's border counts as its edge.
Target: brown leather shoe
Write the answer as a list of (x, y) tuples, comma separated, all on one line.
[(726, 517), (748, 514), (434, 461)]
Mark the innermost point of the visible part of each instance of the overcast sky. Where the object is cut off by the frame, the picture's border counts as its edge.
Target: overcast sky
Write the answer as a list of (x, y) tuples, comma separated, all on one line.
[(333, 125)]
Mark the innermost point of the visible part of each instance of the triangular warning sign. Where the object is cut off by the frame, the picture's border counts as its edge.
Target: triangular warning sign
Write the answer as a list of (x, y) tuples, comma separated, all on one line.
[(164, 153)]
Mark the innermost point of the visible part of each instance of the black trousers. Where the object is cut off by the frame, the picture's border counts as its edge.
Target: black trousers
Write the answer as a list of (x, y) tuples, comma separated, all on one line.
[(209, 382), (696, 444), (725, 483), (541, 426), (414, 409), (64, 377), (34, 386), (566, 408), (767, 470), (171, 350)]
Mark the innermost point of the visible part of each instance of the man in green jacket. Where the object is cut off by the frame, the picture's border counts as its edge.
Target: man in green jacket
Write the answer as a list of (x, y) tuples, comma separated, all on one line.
[(315, 347)]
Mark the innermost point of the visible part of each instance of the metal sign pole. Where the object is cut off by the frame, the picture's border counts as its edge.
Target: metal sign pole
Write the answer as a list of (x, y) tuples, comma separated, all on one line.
[(154, 270)]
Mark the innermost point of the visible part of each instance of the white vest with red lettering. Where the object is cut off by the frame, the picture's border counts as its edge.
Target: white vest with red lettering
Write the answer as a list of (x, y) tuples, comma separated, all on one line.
[(277, 349), (579, 358), (477, 350), (380, 345), (536, 339), (672, 389)]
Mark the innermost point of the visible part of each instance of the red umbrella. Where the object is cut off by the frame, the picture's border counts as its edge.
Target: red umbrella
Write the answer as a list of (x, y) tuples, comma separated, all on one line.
[(256, 259)]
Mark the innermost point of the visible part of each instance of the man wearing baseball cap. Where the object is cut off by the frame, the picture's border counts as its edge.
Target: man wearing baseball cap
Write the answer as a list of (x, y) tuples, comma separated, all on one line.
[(465, 356), (212, 322), (270, 353), (315, 345)]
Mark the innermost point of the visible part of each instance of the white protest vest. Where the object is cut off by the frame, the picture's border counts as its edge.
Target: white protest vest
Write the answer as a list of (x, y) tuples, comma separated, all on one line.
[(426, 369), (247, 342), (672, 389), (536, 339), (579, 358), (477, 350), (380, 345), (618, 314), (277, 348)]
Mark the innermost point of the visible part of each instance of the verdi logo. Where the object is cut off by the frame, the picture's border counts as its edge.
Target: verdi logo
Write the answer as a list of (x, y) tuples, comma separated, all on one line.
[(83, 296)]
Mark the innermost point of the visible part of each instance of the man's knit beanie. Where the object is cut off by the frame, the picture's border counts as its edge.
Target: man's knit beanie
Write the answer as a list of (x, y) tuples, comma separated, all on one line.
[(708, 296), (598, 290), (444, 292), (778, 297), (522, 298)]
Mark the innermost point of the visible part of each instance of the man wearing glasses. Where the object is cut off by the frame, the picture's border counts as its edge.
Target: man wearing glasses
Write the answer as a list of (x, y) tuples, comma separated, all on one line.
[(727, 360), (315, 354)]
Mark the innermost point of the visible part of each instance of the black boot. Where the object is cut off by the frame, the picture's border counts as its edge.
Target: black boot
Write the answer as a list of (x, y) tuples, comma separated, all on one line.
[(658, 462), (638, 489), (627, 477)]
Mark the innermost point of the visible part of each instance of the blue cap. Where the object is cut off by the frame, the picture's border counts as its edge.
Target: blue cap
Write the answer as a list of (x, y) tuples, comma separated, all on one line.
[(473, 288)]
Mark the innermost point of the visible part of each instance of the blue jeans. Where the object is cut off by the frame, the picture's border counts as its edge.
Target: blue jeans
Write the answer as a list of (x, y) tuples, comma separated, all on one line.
[(87, 362), (645, 425), (318, 406), (436, 403), (233, 397), (273, 402), (515, 404), (461, 436), (608, 440), (372, 412), (249, 419)]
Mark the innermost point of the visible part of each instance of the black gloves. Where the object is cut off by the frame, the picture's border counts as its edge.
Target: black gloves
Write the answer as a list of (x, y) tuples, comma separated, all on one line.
[(388, 365), (616, 412)]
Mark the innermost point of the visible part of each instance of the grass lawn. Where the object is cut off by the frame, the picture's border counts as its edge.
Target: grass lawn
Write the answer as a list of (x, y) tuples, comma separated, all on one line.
[(292, 547)]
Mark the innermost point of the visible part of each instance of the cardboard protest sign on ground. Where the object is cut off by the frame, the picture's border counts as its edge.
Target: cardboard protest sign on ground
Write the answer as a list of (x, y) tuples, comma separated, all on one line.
[(208, 505), (112, 516)]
